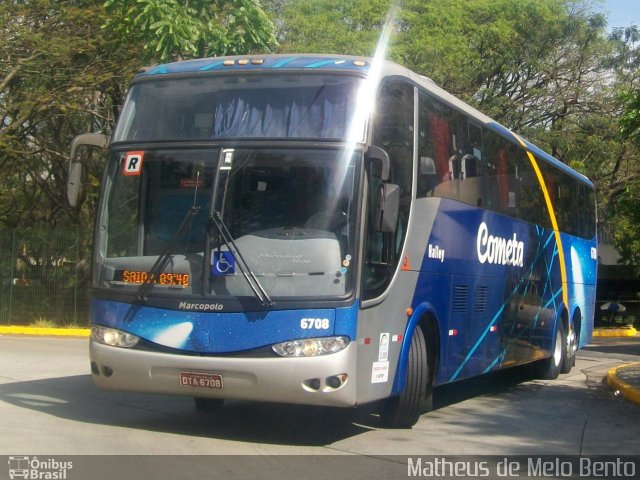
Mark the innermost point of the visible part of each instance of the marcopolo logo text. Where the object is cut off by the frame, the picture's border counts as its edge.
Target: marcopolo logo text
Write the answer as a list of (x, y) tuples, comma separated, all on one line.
[(498, 250), (204, 307)]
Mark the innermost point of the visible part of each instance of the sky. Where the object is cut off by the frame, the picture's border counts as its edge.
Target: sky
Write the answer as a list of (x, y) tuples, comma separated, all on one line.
[(621, 13)]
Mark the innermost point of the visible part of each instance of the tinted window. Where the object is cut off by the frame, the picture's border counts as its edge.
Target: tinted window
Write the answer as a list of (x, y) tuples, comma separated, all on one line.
[(436, 153), (530, 204), (464, 161), (250, 106)]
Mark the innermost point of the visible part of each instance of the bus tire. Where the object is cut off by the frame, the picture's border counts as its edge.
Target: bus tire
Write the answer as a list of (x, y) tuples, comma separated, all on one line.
[(208, 405), (404, 410), (569, 360), (568, 364), (550, 367)]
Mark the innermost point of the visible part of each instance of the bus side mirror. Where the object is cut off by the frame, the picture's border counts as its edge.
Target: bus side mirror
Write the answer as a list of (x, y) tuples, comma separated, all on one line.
[(74, 183), (74, 178), (387, 209)]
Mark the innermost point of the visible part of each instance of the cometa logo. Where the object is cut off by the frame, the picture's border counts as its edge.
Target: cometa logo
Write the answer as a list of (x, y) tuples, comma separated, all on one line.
[(499, 250)]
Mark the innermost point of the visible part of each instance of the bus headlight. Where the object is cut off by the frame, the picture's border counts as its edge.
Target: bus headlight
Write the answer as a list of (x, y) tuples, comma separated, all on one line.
[(311, 347), (113, 337)]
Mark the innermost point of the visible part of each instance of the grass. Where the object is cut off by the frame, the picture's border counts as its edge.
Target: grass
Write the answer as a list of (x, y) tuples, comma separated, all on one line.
[(47, 323), (44, 323)]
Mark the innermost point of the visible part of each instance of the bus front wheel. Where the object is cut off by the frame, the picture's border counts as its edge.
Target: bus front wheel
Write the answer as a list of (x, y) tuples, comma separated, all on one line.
[(404, 410)]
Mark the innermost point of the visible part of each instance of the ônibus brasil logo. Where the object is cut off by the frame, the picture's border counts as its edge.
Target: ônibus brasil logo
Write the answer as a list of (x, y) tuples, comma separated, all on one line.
[(38, 469), (499, 250)]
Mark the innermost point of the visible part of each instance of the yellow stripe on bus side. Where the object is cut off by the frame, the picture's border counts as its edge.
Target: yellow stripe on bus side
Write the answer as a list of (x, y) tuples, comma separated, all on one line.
[(554, 222)]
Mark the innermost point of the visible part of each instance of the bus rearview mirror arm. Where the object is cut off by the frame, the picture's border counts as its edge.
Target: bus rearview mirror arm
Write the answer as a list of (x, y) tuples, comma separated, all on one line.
[(379, 162), (74, 178)]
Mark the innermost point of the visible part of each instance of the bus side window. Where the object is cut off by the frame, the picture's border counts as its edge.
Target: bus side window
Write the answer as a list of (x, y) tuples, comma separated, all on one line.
[(499, 176), (472, 164), (394, 132), (531, 203), (563, 195), (439, 166)]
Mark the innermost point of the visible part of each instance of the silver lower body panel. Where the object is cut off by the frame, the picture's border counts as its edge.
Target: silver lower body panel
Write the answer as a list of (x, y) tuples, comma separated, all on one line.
[(282, 380)]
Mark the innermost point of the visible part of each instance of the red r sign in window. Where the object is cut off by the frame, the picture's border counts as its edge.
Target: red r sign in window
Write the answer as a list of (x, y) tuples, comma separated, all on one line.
[(132, 163)]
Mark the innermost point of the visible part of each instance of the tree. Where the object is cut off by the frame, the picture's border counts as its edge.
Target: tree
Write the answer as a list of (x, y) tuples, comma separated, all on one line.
[(630, 119), (175, 29), (58, 77), (332, 26), (627, 208)]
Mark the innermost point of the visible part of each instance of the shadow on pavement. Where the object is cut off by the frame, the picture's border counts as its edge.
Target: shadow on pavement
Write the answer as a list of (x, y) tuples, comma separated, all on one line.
[(75, 398)]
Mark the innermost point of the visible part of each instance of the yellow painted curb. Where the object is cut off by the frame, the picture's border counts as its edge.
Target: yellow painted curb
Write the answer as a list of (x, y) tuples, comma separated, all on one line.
[(43, 331), (629, 392), (615, 332)]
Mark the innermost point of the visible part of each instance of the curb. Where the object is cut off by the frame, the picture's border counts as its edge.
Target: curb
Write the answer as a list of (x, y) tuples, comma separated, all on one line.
[(44, 331), (615, 332), (628, 391)]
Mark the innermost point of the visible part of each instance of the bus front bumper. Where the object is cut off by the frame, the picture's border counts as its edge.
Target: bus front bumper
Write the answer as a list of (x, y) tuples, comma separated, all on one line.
[(327, 380)]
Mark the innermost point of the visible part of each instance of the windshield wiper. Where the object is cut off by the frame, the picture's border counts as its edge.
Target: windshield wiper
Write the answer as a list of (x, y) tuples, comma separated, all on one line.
[(252, 280), (165, 256)]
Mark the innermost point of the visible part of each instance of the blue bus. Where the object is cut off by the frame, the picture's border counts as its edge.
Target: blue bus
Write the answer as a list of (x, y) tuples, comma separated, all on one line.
[(328, 230)]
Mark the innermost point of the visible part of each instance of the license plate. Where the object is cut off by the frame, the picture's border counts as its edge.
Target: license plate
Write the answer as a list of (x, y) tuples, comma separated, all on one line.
[(205, 380)]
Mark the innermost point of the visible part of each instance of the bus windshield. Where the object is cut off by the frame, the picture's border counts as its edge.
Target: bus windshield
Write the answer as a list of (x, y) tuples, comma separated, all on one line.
[(248, 107), (290, 213)]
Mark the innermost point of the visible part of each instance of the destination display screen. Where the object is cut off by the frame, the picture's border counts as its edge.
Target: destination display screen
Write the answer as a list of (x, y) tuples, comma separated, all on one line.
[(128, 277)]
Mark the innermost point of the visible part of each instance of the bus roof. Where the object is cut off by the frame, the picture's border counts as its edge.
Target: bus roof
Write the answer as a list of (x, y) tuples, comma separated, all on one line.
[(261, 62), (345, 63)]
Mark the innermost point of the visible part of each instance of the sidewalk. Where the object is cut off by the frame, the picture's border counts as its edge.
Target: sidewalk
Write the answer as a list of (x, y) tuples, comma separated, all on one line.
[(614, 332), (626, 380)]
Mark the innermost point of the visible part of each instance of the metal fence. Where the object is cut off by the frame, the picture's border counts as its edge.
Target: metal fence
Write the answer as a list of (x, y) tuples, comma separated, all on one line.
[(43, 280)]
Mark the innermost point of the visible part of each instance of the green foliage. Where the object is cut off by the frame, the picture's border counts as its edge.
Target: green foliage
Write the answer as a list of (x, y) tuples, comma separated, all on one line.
[(58, 77), (627, 224), (175, 29), (467, 46), (626, 209), (630, 119), (332, 26)]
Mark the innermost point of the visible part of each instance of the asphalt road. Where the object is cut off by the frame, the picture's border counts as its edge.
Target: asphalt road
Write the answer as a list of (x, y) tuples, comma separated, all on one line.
[(49, 406)]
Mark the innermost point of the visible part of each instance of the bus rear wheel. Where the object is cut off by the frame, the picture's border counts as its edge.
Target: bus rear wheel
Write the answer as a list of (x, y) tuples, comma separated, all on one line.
[(550, 367), (569, 360), (404, 410)]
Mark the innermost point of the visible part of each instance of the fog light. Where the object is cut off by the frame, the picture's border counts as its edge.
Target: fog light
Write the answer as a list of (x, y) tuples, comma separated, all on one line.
[(311, 347), (113, 337), (334, 382), (312, 384)]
